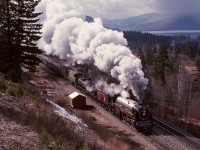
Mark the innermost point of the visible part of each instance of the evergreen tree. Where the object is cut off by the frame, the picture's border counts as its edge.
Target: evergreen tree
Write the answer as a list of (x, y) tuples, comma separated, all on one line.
[(142, 58), (198, 65), (30, 34), (155, 67), (154, 50), (196, 82), (173, 64), (19, 32), (160, 63), (149, 54), (167, 95), (198, 68), (8, 38), (191, 49)]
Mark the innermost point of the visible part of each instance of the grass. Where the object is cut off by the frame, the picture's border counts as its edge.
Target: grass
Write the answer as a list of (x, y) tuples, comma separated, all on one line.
[(2, 83), (59, 142), (54, 132), (16, 90), (62, 102), (11, 88), (43, 140)]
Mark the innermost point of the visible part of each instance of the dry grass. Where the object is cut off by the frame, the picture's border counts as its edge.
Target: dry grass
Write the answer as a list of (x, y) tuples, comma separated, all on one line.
[(42, 119), (112, 142)]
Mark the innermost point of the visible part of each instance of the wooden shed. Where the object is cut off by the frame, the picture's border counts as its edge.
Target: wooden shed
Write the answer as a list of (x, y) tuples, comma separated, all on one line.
[(77, 100)]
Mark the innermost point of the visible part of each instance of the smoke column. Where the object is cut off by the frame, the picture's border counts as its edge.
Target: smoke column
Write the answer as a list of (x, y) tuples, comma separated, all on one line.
[(67, 35)]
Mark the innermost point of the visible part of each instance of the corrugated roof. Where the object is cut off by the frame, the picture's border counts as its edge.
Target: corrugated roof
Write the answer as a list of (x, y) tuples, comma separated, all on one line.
[(75, 94)]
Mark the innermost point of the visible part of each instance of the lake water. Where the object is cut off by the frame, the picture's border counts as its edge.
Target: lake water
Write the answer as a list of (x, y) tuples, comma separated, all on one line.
[(191, 33)]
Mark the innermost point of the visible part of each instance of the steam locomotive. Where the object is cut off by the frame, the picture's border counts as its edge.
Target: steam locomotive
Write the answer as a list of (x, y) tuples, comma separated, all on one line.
[(126, 109)]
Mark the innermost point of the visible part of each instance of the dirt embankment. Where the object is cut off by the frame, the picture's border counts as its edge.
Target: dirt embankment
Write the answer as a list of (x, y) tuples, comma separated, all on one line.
[(14, 136), (30, 122)]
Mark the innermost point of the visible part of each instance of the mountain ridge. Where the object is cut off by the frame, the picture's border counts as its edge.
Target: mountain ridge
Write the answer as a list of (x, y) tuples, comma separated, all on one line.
[(155, 22)]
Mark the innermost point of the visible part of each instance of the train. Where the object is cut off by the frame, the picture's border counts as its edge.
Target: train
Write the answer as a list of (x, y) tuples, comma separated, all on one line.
[(126, 109)]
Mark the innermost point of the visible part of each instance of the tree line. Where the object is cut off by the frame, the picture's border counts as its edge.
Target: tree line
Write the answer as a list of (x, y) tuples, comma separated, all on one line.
[(190, 48), (160, 54), (136, 39), (19, 32), (168, 76), (174, 90)]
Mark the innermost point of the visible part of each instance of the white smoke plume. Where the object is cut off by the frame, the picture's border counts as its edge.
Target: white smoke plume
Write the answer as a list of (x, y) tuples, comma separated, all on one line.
[(67, 35)]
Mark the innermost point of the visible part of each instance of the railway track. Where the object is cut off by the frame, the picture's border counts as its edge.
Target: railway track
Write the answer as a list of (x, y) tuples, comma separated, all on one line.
[(177, 133), (195, 144), (162, 125)]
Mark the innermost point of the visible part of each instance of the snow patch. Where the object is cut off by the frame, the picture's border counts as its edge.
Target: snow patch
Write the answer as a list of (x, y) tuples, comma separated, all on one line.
[(65, 114)]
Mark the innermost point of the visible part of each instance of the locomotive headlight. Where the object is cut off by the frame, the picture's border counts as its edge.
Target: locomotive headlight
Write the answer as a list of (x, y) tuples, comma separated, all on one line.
[(144, 113)]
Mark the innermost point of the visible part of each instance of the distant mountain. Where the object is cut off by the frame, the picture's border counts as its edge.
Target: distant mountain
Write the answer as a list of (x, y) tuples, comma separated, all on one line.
[(89, 19), (136, 20), (156, 22)]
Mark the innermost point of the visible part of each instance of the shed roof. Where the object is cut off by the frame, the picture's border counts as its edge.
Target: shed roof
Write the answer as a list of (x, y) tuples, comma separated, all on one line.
[(75, 94)]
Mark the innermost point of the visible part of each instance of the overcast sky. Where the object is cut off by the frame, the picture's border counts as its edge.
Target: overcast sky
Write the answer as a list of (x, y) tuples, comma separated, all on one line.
[(126, 8)]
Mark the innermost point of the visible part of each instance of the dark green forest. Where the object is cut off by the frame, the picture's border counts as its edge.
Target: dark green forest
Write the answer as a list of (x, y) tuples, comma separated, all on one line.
[(136, 39), (19, 32)]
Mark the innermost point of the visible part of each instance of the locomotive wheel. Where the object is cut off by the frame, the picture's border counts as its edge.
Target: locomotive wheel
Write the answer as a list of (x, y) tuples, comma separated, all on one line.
[(120, 116), (99, 102), (148, 131), (113, 111), (124, 117), (105, 107), (109, 108), (134, 124)]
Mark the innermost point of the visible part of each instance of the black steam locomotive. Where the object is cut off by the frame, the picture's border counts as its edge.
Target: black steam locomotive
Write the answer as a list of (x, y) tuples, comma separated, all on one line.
[(126, 109)]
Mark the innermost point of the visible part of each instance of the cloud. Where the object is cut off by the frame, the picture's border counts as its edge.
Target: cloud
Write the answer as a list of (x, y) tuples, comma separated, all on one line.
[(127, 8), (116, 8), (177, 6), (113, 9)]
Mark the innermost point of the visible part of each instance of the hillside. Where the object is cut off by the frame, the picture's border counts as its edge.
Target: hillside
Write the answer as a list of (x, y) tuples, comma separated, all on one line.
[(156, 22), (37, 115)]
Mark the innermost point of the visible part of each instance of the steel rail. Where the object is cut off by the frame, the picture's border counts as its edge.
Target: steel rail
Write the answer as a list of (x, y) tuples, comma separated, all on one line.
[(169, 129)]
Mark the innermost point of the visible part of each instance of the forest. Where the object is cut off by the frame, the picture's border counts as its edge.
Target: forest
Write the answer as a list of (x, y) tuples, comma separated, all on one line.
[(172, 65)]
